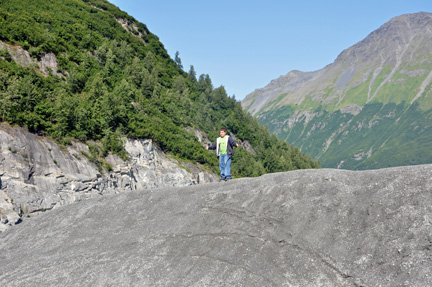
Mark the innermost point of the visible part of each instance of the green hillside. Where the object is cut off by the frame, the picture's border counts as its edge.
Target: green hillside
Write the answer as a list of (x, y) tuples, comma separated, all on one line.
[(382, 135), (113, 78), (370, 108)]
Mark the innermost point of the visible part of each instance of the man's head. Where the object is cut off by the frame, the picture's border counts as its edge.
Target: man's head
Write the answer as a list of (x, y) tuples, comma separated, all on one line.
[(222, 132)]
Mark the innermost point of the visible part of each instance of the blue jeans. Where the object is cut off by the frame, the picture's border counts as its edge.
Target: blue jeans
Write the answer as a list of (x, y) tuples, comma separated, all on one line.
[(225, 166)]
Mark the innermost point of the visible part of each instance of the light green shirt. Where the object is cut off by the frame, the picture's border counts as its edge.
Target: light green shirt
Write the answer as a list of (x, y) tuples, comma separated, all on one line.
[(223, 145)]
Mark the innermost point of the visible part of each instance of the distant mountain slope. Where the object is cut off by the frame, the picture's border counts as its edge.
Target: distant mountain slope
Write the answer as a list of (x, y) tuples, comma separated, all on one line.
[(371, 108), (86, 70)]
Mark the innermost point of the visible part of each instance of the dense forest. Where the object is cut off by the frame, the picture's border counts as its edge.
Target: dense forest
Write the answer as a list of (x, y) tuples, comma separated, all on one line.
[(115, 80)]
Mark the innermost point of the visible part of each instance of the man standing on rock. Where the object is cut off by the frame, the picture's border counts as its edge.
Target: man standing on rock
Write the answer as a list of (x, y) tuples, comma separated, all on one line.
[(224, 148)]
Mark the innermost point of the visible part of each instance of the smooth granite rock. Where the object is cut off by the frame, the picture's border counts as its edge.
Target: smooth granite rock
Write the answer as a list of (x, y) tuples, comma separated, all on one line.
[(322, 227)]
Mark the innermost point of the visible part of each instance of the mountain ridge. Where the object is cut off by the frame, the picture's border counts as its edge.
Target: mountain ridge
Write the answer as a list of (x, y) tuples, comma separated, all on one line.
[(391, 67), (280, 84)]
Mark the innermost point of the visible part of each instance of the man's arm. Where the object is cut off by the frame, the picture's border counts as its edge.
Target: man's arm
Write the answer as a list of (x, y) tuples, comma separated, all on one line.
[(232, 142), (210, 146)]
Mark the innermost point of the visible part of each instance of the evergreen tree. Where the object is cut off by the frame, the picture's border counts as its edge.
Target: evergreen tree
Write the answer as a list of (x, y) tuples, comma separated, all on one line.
[(177, 60)]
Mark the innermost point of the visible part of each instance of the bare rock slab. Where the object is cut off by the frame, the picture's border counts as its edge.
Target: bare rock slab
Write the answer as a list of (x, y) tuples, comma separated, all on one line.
[(303, 228)]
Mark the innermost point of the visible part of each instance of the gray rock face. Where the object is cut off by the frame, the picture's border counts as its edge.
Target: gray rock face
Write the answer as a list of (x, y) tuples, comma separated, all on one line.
[(47, 63), (37, 175), (301, 228)]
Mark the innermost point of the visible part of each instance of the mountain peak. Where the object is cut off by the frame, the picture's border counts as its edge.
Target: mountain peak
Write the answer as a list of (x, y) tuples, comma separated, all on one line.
[(391, 68), (391, 39)]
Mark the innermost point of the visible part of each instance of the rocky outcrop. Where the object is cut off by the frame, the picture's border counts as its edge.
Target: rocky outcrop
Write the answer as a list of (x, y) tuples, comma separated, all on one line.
[(47, 62), (302, 228), (132, 28), (36, 174)]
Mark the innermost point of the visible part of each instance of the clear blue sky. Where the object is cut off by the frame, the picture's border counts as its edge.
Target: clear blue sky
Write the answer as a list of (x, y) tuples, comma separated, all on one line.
[(244, 44)]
